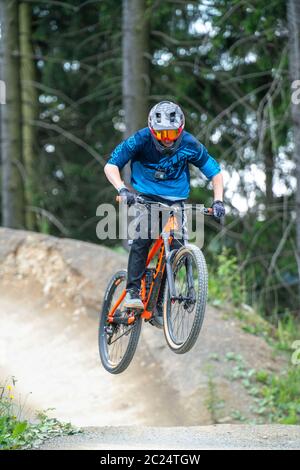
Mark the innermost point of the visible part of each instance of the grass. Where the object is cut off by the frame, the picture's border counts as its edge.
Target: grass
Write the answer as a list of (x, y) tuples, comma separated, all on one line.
[(18, 433), (225, 286), (279, 397), (287, 332), (276, 396), (213, 401)]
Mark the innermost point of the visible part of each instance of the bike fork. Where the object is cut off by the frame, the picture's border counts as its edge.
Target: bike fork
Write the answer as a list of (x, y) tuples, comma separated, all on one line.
[(170, 276), (189, 271)]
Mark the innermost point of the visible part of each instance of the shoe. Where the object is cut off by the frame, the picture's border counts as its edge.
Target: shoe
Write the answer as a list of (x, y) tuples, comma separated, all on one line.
[(133, 300)]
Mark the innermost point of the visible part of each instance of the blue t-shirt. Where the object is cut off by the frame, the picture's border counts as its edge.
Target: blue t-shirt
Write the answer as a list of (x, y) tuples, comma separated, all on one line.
[(146, 161)]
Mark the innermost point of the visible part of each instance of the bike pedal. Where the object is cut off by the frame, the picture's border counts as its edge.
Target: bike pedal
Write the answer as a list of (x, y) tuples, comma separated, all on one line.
[(126, 317)]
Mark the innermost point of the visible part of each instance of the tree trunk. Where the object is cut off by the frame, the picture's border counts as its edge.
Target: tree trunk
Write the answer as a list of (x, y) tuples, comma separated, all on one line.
[(12, 167), (29, 111), (2, 84), (135, 68), (269, 170), (294, 61)]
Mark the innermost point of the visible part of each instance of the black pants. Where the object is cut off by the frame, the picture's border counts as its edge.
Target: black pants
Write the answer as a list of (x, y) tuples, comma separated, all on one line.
[(140, 245)]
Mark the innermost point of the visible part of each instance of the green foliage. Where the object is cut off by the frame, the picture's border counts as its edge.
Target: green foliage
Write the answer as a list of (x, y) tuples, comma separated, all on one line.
[(225, 280), (288, 330), (253, 323), (238, 416), (276, 396), (262, 376), (16, 433), (213, 401), (278, 399), (227, 290)]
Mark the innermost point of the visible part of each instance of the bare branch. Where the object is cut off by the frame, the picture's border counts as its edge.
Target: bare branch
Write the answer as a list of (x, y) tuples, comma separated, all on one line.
[(68, 135), (51, 217)]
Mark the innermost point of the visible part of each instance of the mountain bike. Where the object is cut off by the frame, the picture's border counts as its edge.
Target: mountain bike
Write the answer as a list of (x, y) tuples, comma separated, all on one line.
[(185, 296)]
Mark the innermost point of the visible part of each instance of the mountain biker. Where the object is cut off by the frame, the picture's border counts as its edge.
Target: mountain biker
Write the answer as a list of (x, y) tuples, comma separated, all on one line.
[(159, 156)]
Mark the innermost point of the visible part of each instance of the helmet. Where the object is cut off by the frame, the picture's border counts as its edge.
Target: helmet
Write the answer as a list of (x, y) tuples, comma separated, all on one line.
[(166, 122)]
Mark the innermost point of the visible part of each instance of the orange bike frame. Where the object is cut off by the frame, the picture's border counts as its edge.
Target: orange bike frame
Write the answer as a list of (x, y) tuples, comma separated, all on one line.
[(169, 227)]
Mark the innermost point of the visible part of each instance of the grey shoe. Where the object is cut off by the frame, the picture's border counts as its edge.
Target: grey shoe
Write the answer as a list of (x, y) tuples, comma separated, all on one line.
[(133, 300)]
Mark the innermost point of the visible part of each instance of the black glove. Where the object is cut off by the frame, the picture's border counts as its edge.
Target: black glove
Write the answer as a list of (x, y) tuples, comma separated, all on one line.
[(218, 210), (127, 196)]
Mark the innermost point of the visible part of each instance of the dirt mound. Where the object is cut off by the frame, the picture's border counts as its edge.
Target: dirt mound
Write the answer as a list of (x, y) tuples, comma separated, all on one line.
[(50, 292), (67, 270)]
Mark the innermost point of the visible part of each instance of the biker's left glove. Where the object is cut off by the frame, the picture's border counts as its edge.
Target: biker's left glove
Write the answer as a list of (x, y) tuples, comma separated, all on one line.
[(218, 210)]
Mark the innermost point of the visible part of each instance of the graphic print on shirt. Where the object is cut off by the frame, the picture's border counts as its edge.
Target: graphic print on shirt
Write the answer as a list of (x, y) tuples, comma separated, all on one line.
[(171, 166)]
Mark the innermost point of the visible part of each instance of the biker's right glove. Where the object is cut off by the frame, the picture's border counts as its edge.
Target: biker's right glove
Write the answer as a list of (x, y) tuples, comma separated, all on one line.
[(218, 211), (127, 196)]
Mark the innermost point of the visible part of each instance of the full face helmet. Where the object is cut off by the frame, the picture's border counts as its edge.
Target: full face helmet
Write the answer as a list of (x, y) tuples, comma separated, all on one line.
[(166, 123)]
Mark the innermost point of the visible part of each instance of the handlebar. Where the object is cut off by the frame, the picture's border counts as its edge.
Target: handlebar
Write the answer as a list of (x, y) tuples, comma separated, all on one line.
[(140, 200)]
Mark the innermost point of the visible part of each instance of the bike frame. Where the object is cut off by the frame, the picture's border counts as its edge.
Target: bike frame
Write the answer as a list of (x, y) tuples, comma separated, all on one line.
[(162, 248)]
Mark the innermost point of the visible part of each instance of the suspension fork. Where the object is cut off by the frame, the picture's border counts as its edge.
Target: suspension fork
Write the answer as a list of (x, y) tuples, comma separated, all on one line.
[(189, 271), (170, 275)]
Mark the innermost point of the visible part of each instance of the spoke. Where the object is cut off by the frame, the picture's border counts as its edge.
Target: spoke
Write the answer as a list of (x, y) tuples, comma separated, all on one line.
[(123, 334), (181, 323), (178, 317)]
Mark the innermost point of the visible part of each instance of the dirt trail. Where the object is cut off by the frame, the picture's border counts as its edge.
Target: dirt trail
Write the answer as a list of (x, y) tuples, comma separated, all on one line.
[(50, 292), (221, 436), (54, 356), (53, 353)]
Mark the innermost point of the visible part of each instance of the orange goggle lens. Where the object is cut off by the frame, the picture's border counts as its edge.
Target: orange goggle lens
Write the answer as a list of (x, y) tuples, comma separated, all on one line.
[(172, 134)]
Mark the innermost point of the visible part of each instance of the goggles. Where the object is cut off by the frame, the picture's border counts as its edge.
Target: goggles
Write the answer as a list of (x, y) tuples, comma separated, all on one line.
[(172, 134)]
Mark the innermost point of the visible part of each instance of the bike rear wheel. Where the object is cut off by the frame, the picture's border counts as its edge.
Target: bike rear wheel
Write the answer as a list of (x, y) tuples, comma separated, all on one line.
[(183, 318), (117, 342)]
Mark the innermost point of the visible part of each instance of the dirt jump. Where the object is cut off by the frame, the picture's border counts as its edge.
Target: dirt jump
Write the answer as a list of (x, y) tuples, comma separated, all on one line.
[(51, 292)]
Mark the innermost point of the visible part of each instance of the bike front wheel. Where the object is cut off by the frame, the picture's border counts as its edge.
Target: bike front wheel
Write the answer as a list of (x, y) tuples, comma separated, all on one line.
[(184, 316), (117, 342)]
